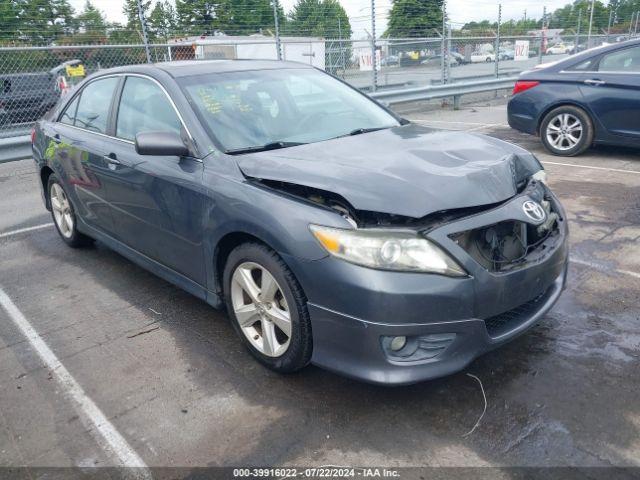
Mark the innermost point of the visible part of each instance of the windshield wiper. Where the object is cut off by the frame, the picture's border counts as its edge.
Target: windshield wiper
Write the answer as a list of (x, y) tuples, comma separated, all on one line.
[(264, 148), (360, 131)]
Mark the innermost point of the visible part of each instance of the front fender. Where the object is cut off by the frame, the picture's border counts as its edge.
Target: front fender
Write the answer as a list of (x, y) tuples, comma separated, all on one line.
[(280, 221)]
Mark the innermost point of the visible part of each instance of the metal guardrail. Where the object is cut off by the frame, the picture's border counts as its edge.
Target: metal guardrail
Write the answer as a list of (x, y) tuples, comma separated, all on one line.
[(18, 148), (455, 90), (15, 148)]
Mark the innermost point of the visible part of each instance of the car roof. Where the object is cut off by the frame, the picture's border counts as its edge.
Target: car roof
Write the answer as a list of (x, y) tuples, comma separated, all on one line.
[(575, 59), (188, 68)]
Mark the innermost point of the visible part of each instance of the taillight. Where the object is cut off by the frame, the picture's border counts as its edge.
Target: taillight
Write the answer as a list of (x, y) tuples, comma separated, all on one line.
[(33, 135), (523, 86)]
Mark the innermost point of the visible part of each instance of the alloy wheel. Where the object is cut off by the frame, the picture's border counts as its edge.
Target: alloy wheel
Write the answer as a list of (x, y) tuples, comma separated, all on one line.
[(261, 309), (62, 212), (564, 131)]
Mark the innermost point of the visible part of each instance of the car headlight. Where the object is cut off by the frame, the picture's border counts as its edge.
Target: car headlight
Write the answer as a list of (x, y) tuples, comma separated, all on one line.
[(387, 250), (541, 176)]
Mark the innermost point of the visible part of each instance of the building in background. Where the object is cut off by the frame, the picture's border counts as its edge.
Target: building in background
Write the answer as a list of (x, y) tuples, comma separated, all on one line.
[(307, 50)]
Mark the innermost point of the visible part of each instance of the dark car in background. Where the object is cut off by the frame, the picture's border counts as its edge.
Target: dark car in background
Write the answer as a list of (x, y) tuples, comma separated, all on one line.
[(25, 97), (590, 98), (333, 231)]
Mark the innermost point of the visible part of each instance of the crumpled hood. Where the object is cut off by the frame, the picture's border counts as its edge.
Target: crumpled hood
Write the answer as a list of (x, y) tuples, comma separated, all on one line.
[(409, 170)]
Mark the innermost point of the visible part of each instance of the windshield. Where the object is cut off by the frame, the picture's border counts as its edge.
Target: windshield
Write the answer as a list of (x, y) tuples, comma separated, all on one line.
[(279, 108)]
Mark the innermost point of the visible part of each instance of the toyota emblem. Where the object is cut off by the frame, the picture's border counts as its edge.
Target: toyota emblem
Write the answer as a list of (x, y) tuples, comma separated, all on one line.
[(534, 211)]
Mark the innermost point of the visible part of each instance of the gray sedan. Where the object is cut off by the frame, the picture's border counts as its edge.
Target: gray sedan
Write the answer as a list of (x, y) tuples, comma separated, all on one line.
[(332, 231)]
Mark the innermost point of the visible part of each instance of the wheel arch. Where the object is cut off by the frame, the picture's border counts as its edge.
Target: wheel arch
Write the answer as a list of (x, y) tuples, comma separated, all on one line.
[(563, 103), (223, 249), (45, 173)]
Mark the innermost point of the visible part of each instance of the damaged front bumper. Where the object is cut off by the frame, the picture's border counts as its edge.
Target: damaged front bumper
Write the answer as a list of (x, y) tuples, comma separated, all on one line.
[(447, 322)]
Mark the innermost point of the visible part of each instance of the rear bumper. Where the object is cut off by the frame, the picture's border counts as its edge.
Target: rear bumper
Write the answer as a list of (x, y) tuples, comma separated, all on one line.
[(354, 347), (522, 115)]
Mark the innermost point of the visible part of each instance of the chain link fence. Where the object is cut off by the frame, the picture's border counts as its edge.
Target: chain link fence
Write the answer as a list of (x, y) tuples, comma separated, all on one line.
[(33, 78)]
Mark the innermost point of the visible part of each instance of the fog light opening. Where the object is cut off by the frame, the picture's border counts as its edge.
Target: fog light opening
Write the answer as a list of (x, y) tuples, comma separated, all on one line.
[(398, 343)]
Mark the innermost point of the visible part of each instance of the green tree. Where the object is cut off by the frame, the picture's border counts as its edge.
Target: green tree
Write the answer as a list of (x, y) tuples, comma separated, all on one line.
[(43, 21), (202, 17), (10, 19), (485, 27), (519, 27), (414, 18), (130, 10), (319, 18), (132, 31), (622, 13), (567, 16), (91, 21), (162, 20), (246, 17)]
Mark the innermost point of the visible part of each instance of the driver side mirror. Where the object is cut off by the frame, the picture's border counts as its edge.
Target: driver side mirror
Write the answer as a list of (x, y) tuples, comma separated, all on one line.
[(161, 144)]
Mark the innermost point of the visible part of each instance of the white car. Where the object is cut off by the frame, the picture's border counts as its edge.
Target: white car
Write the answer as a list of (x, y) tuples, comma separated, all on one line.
[(559, 49), (479, 57)]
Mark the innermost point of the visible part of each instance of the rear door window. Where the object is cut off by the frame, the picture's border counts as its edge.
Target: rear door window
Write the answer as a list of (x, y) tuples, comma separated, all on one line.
[(144, 107), (94, 105), (584, 66), (69, 115)]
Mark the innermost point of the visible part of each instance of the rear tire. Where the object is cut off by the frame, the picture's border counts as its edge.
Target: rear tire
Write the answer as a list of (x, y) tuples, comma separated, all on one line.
[(64, 215), (272, 321), (567, 131)]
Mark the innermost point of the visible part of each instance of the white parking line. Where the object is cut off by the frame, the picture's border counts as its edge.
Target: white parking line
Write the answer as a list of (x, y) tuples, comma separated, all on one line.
[(451, 122), (604, 268), (94, 420), (25, 230), (475, 125), (619, 170)]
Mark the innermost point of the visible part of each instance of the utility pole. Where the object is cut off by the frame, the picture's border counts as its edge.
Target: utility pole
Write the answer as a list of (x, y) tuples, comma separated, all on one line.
[(590, 23), (635, 31), (374, 78), (542, 33), (449, 35), (578, 31), (277, 25), (341, 56), (631, 24), (143, 23), (610, 19), (497, 49), (443, 59)]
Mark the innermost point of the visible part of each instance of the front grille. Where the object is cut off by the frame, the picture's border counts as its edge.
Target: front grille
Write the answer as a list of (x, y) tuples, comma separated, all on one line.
[(508, 321)]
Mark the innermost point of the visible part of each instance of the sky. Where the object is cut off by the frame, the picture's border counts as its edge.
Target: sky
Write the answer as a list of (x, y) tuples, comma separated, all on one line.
[(359, 11)]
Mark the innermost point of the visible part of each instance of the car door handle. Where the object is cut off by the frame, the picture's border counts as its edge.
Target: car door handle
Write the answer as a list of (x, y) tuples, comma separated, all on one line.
[(593, 81), (112, 161)]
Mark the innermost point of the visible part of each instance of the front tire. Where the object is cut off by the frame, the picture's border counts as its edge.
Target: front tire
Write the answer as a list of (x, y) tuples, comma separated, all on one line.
[(567, 131), (267, 308), (64, 215)]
